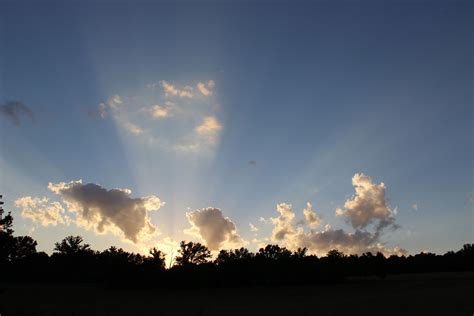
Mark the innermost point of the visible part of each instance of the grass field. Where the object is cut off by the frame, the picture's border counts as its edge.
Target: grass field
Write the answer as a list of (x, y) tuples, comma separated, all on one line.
[(423, 294)]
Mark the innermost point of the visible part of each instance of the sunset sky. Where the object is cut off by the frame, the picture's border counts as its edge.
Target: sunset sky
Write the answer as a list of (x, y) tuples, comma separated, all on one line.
[(144, 123)]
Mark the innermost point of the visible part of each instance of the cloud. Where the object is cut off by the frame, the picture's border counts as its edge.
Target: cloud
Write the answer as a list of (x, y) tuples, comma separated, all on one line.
[(283, 223), (144, 115), (311, 218), (253, 228), (132, 128), (205, 136), (108, 210), (209, 126), (213, 228), (115, 101), (323, 241), (415, 207), (171, 90), (263, 220), (368, 205), (158, 112), (206, 87), (39, 210), (102, 111), (13, 110)]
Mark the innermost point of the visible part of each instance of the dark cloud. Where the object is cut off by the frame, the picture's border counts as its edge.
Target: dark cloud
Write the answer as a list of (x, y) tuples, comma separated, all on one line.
[(13, 110), (108, 210), (213, 228)]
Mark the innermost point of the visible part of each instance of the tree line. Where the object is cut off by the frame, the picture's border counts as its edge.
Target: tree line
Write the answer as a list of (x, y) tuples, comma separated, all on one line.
[(73, 260)]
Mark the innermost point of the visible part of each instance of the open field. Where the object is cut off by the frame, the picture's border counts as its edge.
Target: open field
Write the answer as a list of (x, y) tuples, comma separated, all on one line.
[(424, 294)]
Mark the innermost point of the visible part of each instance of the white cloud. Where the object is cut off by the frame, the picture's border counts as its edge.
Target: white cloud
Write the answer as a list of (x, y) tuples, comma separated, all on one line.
[(206, 87), (311, 218), (137, 115), (253, 228), (283, 223), (103, 110), (210, 225), (209, 126), (368, 205), (158, 111), (132, 128), (171, 90), (39, 210), (206, 136), (115, 101), (108, 210)]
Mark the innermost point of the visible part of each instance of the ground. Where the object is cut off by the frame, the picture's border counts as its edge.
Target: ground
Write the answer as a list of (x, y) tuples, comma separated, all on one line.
[(417, 294)]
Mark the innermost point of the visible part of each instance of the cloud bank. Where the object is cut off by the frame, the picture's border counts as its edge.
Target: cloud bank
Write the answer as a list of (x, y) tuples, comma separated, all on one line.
[(368, 207), (114, 210)]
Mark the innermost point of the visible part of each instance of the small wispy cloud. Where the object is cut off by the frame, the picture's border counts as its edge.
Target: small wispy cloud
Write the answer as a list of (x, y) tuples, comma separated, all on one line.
[(206, 87), (139, 116), (133, 128), (159, 112), (209, 126), (415, 206), (171, 90), (13, 110), (115, 101), (253, 228), (264, 220)]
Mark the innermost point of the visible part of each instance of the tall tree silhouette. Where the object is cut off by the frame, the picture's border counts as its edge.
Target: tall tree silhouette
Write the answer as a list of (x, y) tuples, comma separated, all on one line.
[(72, 245), (24, 247), (156, 259), (274, 252), (192, 253), (234, 256)]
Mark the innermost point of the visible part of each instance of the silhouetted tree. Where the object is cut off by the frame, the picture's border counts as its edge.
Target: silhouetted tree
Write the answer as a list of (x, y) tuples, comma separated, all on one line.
[(156, 259), (274, 252), (72, 245), (25, 247), (13, 248), (6, 223), (300, 253), (192, 253), (74, 261), (7, 241), (335, 254)]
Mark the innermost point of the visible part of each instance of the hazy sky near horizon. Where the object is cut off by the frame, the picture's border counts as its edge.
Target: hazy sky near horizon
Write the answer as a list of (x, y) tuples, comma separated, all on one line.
[(223, 119)]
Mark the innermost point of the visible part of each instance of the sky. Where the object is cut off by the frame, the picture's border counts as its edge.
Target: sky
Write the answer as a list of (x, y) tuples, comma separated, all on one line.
[(143, 123)]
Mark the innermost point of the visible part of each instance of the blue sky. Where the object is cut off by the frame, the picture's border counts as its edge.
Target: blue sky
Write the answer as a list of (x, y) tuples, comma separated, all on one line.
[(312, 92)]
